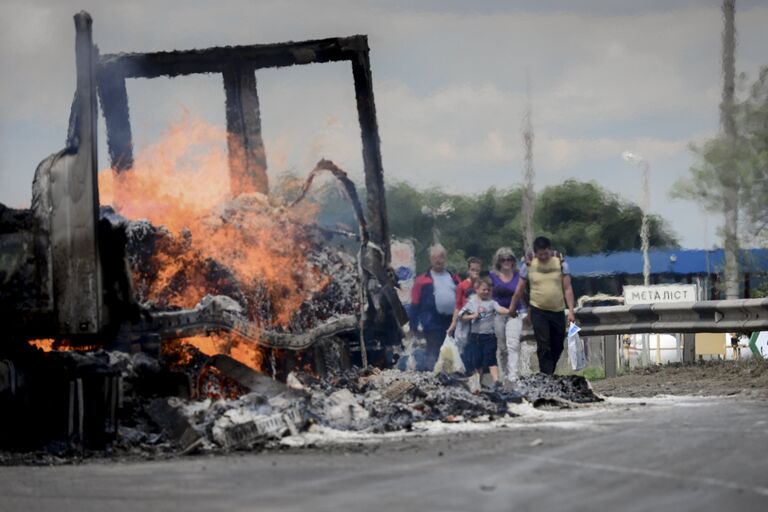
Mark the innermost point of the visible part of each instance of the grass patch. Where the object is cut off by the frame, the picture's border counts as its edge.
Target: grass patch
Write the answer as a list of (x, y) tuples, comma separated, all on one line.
[(592, 373)]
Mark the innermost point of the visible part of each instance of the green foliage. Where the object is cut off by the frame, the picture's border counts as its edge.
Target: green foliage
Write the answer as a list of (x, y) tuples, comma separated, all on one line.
[(471, 226), (583, 218), (580, 218), (592, 373), (589, 373), (760, 292), (755, 129), (741, 162)]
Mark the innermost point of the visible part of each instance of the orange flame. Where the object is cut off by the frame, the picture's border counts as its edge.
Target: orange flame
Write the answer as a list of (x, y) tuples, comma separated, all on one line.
[(45, 345), (182, 182), (174, 181), (50, 345)]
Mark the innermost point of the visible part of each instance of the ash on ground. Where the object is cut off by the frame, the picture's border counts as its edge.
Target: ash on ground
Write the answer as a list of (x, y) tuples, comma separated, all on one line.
[(240, 409)]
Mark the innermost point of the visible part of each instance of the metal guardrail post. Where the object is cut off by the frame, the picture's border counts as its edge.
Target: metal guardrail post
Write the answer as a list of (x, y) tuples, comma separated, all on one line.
[(610, 355), (689, 347)]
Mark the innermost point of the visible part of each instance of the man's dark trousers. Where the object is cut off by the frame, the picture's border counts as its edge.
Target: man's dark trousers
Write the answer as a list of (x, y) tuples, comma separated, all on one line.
[(549, 331)]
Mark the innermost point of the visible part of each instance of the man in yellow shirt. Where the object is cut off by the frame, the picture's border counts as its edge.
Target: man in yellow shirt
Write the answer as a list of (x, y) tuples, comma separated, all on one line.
[(550, 290)]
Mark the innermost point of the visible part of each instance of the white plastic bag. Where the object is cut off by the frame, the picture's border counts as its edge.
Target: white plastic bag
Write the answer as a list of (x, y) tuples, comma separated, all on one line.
[(450, 358), (576, 353), (461, 333)]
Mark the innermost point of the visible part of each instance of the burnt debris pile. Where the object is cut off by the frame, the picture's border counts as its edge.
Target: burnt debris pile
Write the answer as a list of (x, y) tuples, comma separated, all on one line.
[(169, 271), (138, 405), (372, 401), (217, 403)]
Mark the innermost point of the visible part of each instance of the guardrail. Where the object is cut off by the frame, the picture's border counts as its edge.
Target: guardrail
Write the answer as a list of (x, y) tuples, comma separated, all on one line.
[(708, 316), (686, 318), (744, 315)]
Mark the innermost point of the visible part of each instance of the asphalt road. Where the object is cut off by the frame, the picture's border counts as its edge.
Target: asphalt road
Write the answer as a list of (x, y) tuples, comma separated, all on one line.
[(675, 454)]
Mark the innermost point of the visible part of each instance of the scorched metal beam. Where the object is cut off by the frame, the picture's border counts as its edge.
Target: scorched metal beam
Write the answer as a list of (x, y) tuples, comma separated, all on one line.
[(74, 205)]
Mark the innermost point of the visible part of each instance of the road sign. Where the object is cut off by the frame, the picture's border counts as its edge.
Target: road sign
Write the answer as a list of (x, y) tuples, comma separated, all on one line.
[(660, 294)]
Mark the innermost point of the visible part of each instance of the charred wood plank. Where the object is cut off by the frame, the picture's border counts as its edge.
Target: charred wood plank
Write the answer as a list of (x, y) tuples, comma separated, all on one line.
[(247, 159), (369, 131), (217, 59), (114, 105), (246, 376)]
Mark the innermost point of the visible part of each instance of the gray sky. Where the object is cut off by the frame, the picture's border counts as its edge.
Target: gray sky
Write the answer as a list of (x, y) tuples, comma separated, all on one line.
[(449, 80)]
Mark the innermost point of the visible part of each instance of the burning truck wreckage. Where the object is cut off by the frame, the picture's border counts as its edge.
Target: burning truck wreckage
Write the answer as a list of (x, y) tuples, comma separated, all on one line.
[(154, 325)]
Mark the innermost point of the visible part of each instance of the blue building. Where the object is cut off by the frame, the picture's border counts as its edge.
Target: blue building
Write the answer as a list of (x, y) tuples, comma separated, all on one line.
[(608, 273)]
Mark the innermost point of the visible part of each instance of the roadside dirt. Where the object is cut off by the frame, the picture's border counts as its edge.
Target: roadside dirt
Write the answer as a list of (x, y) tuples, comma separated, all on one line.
[(715, 378)]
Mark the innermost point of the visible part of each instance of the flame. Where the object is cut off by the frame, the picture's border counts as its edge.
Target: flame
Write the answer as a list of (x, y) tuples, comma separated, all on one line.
[(249, 355), (175, 180), (208, 345), (54, 345), (182, 182), (45, 345)]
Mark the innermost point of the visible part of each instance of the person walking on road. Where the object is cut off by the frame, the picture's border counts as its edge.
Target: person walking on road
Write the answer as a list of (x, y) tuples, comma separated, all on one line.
[(433, 299), (549, 282), (466, 287), (505, 277)]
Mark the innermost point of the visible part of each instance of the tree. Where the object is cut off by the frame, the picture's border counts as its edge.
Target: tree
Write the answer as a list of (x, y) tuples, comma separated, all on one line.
[(583, 218), (731, 169), (752, 116), (476, 225), (738, 161), (580, 218)]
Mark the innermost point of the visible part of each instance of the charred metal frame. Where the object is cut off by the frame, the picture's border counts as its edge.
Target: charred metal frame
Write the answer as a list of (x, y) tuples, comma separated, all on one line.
[(72, 198), (237, 65), (67, 202)]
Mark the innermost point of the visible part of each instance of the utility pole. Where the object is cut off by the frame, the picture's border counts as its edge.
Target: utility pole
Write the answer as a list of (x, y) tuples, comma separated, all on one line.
[(529, 196), (645, 232), (729, 178)]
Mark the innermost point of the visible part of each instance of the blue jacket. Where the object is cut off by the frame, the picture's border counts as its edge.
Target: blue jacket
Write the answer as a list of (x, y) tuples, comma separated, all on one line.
[(423, 309)]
